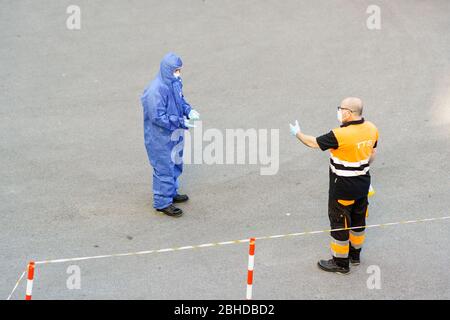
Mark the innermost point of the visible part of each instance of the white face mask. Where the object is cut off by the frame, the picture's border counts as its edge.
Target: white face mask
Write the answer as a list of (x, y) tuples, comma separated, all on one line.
[(177, 74), (339, 115)]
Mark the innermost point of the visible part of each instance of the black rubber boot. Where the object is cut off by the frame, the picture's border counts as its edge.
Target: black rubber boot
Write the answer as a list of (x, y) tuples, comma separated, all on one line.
[(180, 198), (355, 261), (171, 211), (355, 256), (331, 266)]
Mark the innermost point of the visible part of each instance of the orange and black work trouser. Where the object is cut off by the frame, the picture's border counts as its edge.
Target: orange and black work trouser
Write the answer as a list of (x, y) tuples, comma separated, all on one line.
[(347, 214)]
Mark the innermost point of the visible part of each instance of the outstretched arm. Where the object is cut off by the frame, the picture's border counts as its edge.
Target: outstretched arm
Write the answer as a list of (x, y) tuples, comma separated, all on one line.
[(324, 142), (307, 140)]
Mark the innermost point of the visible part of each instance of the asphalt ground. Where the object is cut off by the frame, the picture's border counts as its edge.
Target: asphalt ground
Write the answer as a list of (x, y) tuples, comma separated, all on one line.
[(75, 179)]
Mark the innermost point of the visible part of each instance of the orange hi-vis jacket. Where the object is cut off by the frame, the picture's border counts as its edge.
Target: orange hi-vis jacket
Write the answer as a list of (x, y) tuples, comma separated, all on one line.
[(351, 147), (355, 146)]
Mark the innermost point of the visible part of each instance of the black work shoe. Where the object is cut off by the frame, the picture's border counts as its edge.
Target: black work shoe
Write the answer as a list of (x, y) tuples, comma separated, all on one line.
[(180, 198), (171, 211), (355, 261), (331, 266)]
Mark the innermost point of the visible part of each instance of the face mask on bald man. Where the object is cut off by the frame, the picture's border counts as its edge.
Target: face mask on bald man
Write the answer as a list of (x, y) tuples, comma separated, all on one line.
[(339, 115)]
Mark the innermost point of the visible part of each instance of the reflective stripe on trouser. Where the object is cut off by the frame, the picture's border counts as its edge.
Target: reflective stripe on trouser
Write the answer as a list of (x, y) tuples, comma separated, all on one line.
[(357, 239), (339, 249)]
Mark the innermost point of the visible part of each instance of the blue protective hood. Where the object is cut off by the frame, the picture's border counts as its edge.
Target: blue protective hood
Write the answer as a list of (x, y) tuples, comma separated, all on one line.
[(168, 65)]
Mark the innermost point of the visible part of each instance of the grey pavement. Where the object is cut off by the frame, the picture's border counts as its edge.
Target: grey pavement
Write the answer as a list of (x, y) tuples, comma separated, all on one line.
[(75, 179)]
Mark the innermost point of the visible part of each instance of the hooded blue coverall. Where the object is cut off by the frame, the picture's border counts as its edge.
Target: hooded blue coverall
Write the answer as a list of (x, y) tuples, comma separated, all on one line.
[(164, 107)]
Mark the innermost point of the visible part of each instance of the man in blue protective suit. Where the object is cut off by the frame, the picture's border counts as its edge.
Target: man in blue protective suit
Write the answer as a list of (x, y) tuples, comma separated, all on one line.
[(166, 111)]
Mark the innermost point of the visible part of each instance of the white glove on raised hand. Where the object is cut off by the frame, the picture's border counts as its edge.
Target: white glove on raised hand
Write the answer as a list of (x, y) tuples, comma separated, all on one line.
[(188, 124), (194, 115), (295, 128)]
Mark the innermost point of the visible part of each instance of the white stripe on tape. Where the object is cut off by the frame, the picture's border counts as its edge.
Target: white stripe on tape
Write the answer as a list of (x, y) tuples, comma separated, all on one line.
[(206, 245), (166, 250), (278, 236), (17, 284), (186, 248), (225, 243)]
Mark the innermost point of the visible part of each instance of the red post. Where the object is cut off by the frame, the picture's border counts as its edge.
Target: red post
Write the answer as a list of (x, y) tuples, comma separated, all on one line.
[(30, 280), (251, 264)]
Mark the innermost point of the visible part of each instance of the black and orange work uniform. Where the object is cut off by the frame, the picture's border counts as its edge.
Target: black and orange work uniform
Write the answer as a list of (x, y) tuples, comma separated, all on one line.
[(351, 146)]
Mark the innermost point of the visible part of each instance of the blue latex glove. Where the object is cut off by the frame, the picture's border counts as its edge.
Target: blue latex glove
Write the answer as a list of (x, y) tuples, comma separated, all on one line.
[(188, 124), (295, 128), (194, 115)]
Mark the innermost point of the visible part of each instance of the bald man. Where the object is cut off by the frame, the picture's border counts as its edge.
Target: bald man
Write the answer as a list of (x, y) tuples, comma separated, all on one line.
[(352, 149)]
